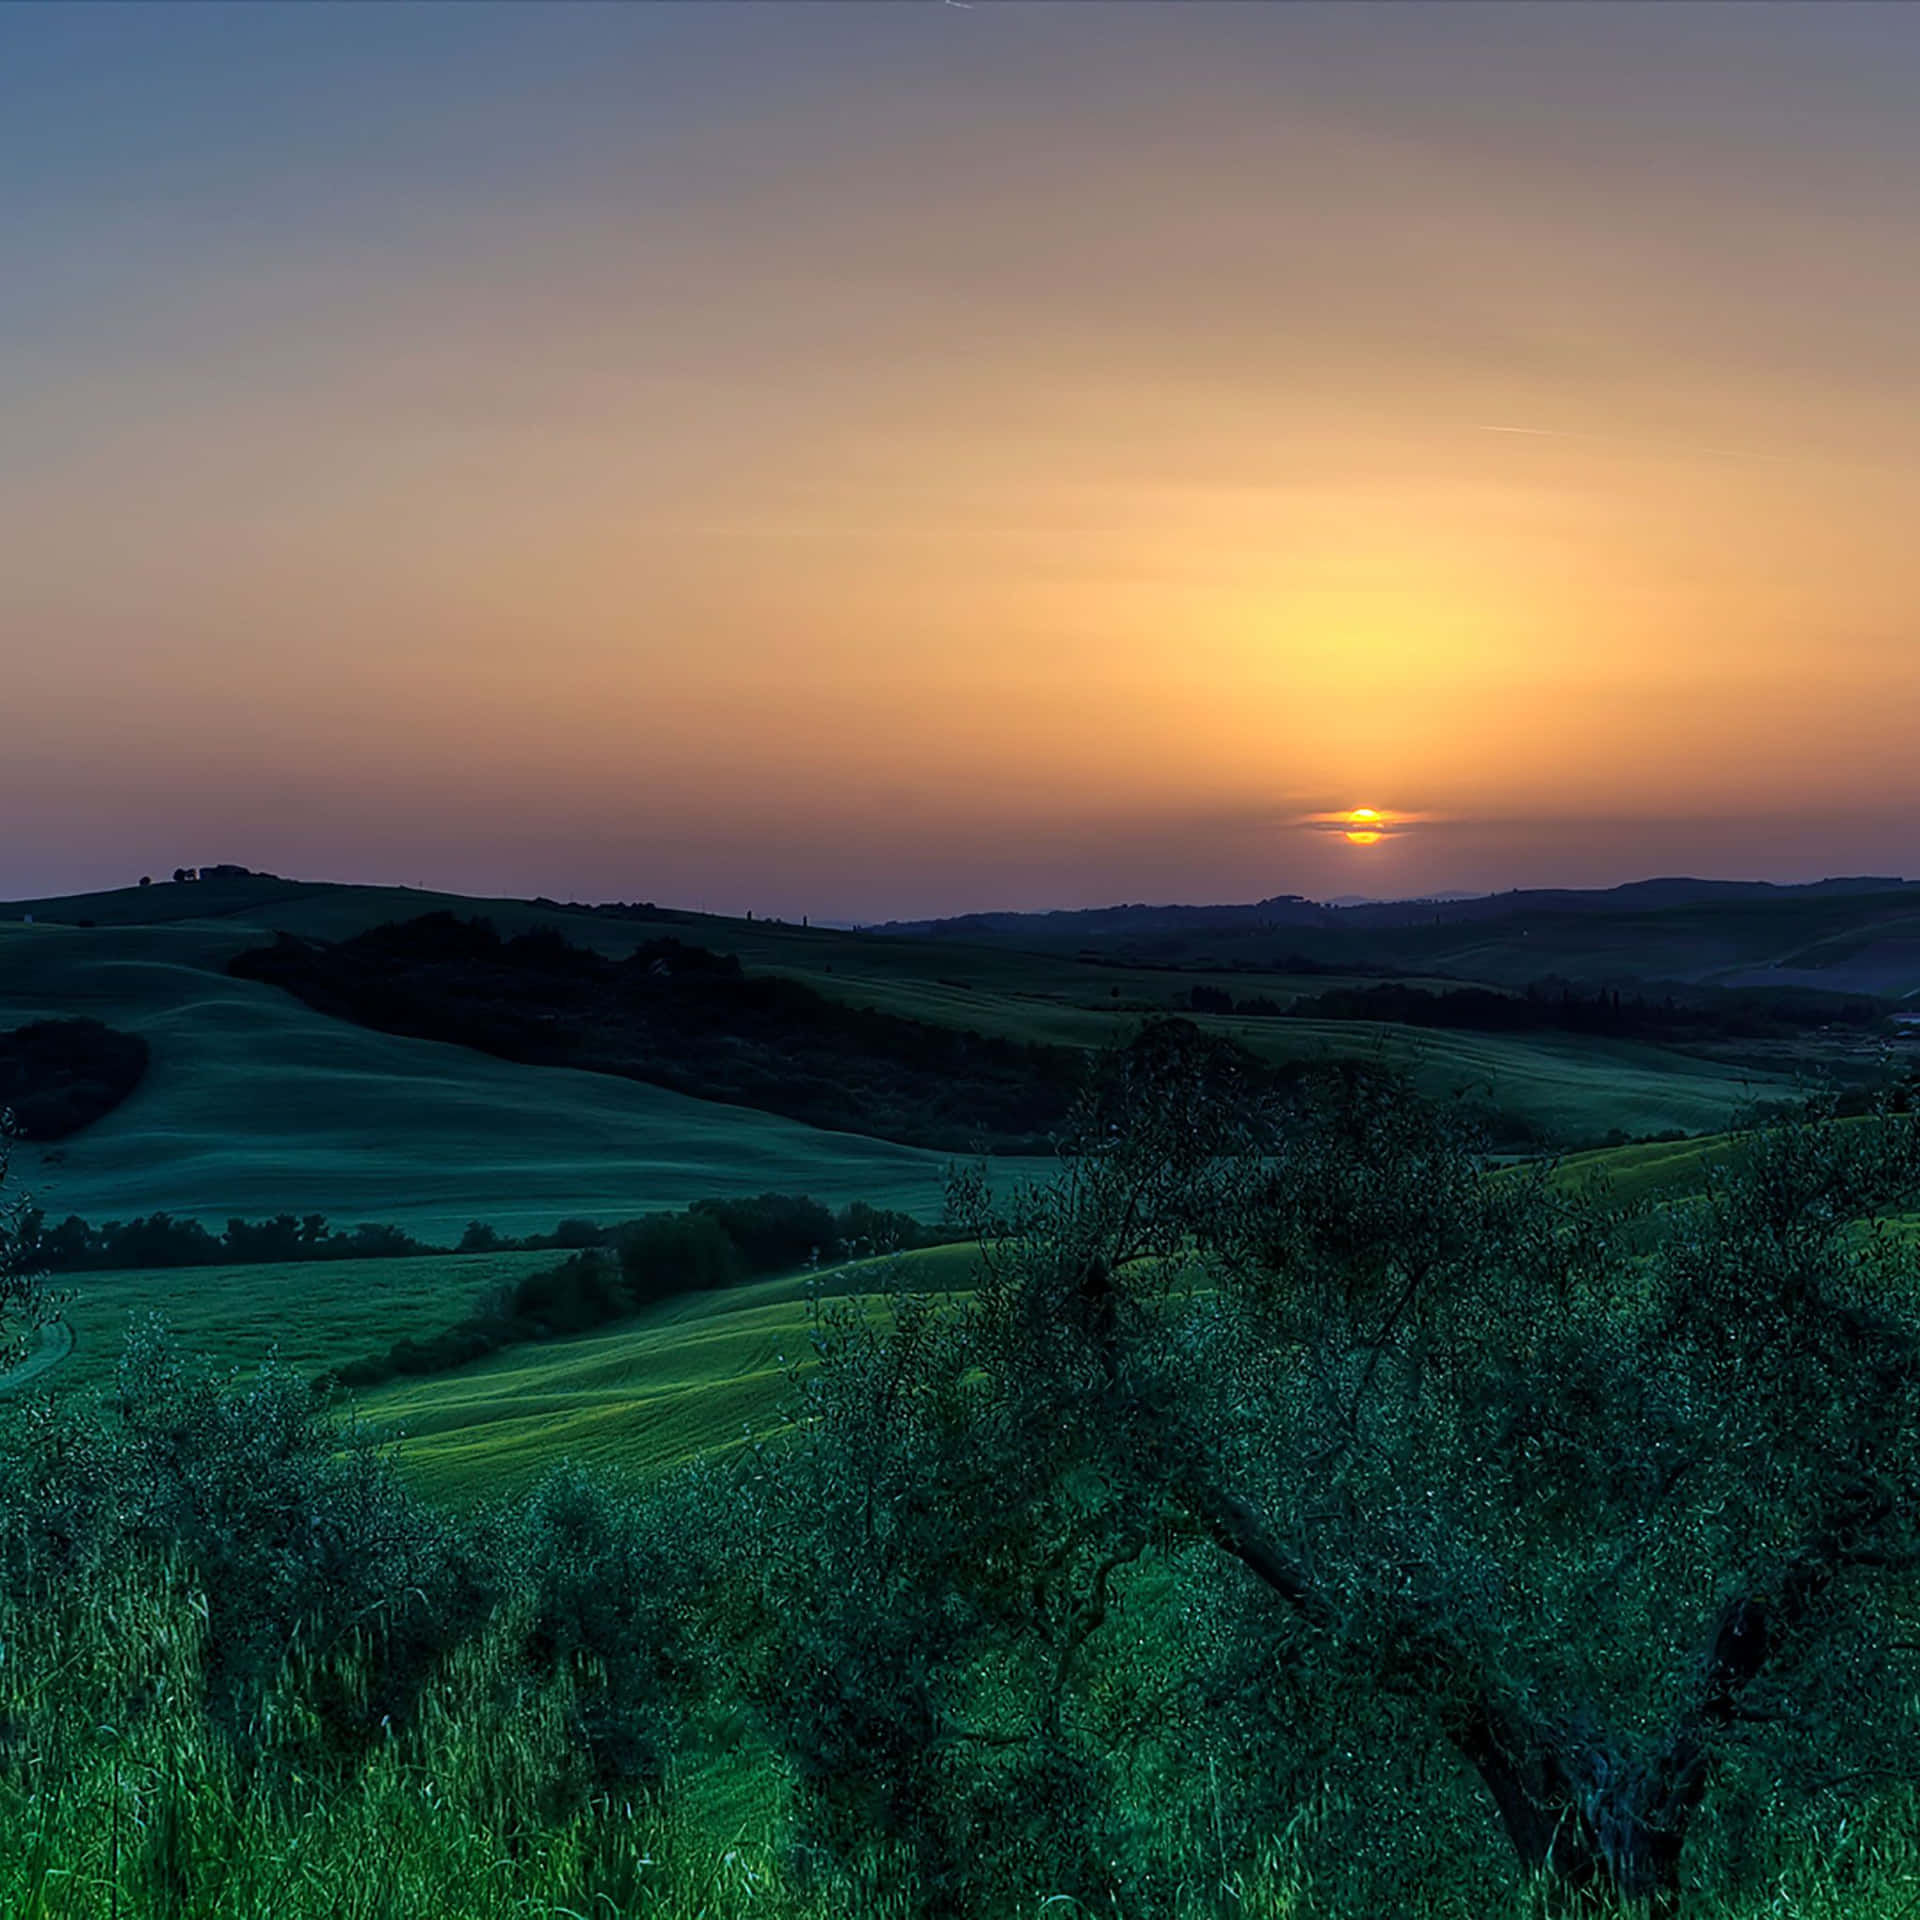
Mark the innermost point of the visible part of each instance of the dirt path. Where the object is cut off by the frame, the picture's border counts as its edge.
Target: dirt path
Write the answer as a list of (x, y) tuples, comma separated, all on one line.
[(56, 1342)]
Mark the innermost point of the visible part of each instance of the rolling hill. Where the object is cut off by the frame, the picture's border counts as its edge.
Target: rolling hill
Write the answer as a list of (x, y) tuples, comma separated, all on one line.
[(253, 1104)]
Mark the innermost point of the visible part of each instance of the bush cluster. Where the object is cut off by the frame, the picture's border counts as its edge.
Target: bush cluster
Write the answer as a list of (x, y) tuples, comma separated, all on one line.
[(325, 1597), (57, 1076)]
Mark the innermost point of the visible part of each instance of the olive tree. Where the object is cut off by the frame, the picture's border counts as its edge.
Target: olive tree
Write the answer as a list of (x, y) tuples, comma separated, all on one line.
[(1305, 1434)]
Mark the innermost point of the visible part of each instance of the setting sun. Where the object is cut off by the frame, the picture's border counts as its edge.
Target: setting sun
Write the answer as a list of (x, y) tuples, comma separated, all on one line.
[(1363, 827)]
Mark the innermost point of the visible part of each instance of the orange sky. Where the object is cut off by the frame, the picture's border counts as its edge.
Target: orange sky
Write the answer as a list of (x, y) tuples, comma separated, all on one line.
[(871, 461)]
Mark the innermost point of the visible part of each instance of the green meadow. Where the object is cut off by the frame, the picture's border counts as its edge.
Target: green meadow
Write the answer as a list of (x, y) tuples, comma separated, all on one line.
[(692, 1378), (312, 1315), (254, 1105), (684, 1378)]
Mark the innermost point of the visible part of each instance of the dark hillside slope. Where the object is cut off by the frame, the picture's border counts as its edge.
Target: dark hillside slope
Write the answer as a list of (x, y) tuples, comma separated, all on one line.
[(682, 1017)]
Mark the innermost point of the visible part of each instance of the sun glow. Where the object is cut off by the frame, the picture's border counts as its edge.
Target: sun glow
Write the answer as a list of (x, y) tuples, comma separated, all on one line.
[(1363, 826)]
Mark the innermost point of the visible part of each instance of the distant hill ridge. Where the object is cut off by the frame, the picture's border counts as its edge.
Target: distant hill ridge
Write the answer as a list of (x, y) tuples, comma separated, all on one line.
[(226, 891), (1295, 910)]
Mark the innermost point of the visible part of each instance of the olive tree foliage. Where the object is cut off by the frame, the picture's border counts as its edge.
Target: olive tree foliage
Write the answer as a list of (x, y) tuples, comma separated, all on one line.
[(1289, 1457), (25, 1302), (333, 1605), (313, 1564)]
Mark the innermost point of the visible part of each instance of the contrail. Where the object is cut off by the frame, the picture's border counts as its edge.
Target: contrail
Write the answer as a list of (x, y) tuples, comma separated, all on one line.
[(1750, 455)]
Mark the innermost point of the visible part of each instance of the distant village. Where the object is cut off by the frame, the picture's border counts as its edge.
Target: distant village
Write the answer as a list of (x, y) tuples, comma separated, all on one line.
[(224, 870)]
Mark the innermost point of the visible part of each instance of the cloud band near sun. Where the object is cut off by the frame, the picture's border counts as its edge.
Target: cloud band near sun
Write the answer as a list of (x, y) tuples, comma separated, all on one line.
[(1363, 826)]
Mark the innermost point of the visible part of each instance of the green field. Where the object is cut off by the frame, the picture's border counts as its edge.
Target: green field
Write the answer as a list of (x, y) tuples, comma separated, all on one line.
[(690, 1376), (693, 1376), (255, 1105), (1566, 1088), (310, 1094), (315, 1315)]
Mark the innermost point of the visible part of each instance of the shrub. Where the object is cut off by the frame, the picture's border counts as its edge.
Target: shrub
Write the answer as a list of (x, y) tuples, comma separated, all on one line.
[(58, 1076), (300, 1539), (775, 1230), (671, 1253)]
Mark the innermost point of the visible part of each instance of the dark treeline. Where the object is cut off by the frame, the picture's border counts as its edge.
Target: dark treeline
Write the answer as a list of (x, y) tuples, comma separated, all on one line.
[(714, 1243), (682, 1017), (73, 1245), (1561, 1006), (772, 1230), (57, 1076)]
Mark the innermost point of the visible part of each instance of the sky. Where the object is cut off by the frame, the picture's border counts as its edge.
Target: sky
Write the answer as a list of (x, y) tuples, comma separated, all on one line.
[(880, 460)]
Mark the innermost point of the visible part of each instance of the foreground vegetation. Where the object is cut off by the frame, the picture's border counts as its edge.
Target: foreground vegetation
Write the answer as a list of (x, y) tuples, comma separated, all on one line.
[(1287, 1516)]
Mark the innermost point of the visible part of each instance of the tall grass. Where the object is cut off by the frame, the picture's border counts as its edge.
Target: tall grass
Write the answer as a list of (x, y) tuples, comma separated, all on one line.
[(118, 1797)]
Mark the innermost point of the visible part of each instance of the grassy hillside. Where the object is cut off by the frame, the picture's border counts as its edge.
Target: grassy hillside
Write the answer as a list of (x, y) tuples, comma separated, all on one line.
[(1566, 1088), (315, 1314), (697, 1375), (1848, 942), (254, 1105), (693, 1376)]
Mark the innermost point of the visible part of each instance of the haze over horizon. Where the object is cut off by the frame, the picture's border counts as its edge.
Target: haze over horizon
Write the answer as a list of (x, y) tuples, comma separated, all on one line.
[(884, 462)]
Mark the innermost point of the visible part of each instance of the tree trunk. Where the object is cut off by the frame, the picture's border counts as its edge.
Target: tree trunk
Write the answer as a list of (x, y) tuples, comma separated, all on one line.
[(1576, 1812), (1576, 1809)]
